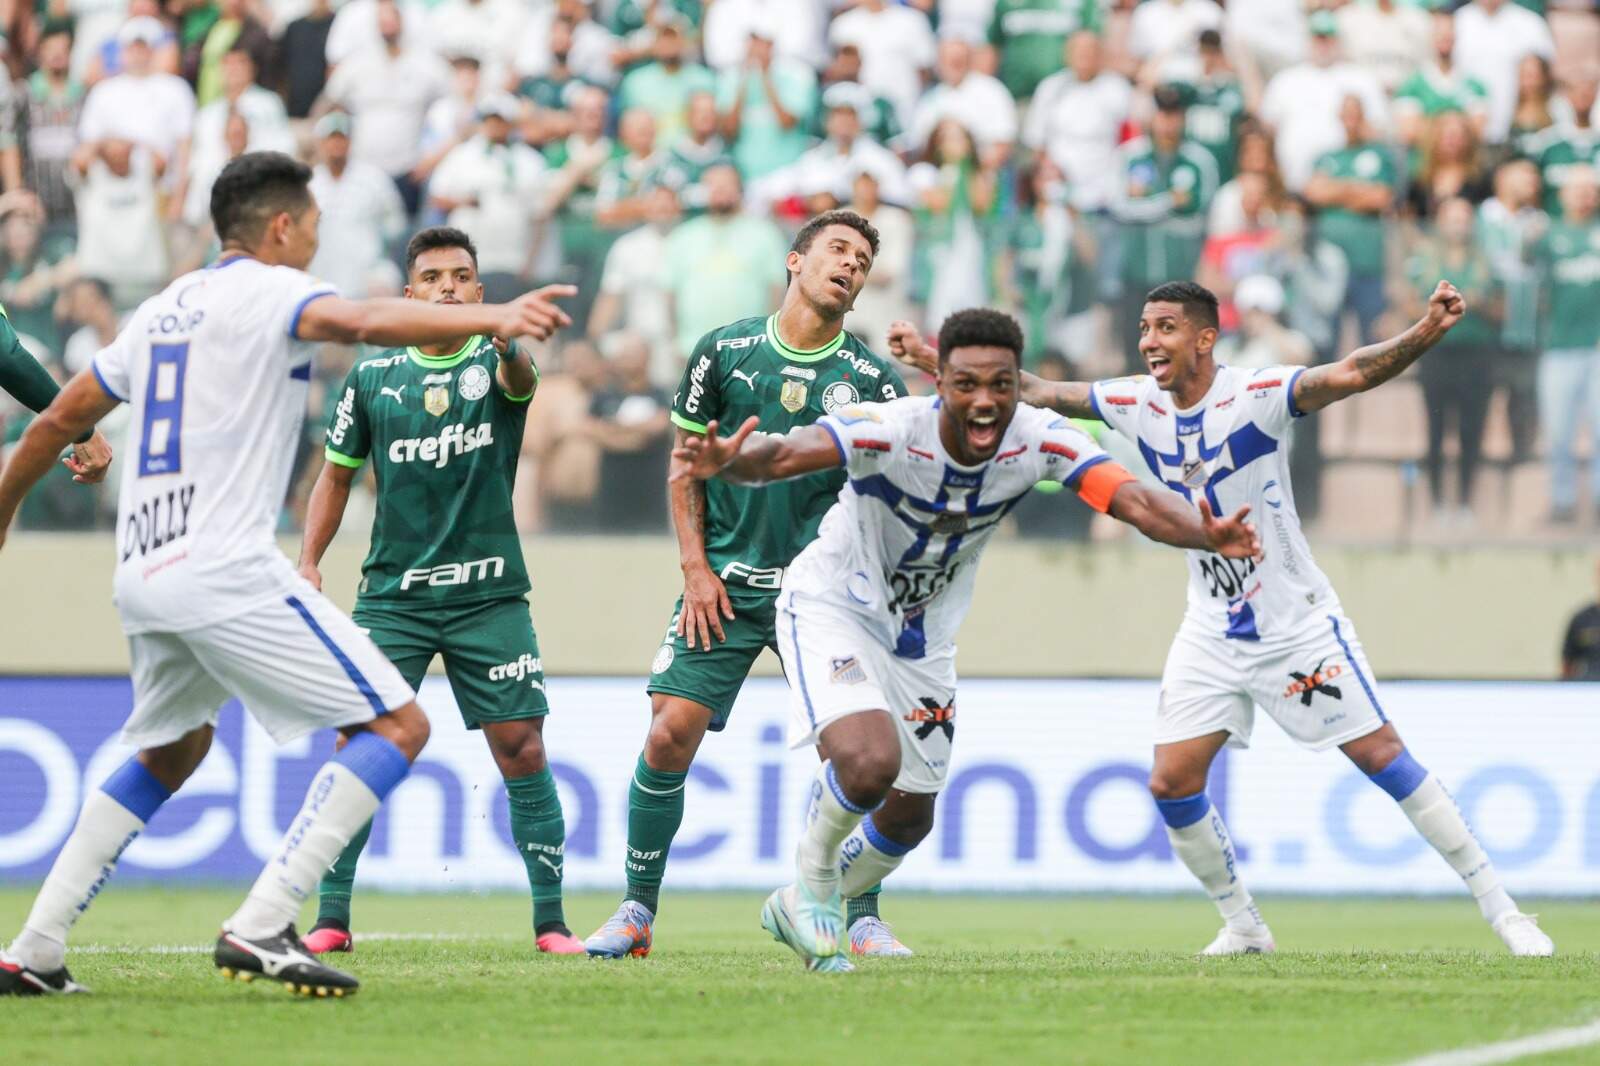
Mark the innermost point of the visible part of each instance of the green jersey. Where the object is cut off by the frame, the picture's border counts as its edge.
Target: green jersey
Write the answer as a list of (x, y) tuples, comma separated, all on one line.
[(1358, 234), (1161, 204), (1433, 92), (744, 369), (444, 439), (1557, 152), (1031, 37), (1214, 110), (683, 165), (1571, 258)]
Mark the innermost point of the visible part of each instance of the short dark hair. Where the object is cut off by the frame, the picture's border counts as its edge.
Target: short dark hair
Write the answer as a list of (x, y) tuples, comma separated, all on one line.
[(808, 232), (439, 237), (255, 188), (1198, 302), (979, 327)]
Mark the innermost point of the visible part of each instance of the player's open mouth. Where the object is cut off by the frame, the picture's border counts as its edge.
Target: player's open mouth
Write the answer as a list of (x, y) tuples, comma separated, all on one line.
[(1158, 365), (841, 282), (983, 433)]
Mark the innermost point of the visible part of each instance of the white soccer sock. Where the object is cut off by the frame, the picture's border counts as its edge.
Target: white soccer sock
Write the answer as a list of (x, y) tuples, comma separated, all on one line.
[(832, 818), (87, 860), (1439, 820), (1207, 850), (337, 805), (866, 858)]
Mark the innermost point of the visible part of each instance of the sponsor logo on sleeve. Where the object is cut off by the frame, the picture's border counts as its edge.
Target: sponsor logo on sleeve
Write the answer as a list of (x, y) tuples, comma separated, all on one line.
[(344, 416)]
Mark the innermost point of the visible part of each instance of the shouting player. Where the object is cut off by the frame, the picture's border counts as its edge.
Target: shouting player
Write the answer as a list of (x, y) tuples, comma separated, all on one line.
[(216, 368), (442, 425), (1269, 634), (787, 369), (869, 611)]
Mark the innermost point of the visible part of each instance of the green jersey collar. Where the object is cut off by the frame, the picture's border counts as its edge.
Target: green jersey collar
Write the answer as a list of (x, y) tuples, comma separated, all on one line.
[(445, 362), (797, 354)]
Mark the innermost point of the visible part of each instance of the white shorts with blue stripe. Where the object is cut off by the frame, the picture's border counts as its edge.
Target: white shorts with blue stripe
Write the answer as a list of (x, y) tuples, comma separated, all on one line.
[(1318, 687), (297, 663), (836, 668)]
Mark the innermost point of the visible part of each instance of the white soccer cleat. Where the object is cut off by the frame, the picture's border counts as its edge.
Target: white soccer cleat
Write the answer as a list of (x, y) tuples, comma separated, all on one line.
[(871, 935), (1523, 936), (1234, 942)]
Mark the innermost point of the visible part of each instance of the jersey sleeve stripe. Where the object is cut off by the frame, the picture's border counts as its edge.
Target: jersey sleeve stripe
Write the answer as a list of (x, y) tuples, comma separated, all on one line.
[(844, 456), (101, 378), (300, 308), (340, 459), (684, 423), (1094, 402), (1288, 392), (1098, 480)]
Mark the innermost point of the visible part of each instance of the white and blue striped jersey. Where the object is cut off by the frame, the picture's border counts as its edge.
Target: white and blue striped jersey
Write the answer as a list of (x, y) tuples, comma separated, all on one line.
[(1232, 449), (217, 380), (900, 547)]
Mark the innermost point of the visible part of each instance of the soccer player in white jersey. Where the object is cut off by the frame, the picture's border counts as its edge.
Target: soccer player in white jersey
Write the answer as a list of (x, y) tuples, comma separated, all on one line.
[(868, 613), (1270, 633), (216, 370)]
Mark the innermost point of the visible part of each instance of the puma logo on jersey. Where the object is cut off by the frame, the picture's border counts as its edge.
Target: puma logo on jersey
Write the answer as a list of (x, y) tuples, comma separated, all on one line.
[(451, 441), (396, 393), (748, 379)]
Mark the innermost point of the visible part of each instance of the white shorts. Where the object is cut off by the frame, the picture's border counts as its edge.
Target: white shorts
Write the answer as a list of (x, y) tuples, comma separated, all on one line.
[(836, 668), (1318, 688), (297, 664)]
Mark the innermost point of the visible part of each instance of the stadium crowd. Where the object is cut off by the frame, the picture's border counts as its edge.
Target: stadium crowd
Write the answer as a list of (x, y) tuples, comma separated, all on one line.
[(1319, 168)]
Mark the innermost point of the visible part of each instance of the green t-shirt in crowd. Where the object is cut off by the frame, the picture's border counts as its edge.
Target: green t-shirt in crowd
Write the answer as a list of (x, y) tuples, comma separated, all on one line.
[(1161, 206), (1557, 151), (1358, 234), (1031, 37), (763, 145), (665, 94), (1570, 255), (1214, 109), (719, 269)]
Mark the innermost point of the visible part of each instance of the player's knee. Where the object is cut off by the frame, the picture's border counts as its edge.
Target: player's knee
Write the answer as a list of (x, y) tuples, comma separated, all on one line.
[(676, 729), (1166, 784), (519, 752), (406, 728), (867, 773)]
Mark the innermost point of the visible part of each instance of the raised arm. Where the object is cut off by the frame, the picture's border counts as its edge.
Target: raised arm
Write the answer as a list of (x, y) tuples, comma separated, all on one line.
[(751, 458), (1367, 368), (1160, 515), (1070, 398), (393, 323)]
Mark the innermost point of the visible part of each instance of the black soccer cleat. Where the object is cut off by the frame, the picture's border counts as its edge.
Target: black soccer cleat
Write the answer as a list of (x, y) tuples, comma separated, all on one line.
[(281, 958), (17, 980)]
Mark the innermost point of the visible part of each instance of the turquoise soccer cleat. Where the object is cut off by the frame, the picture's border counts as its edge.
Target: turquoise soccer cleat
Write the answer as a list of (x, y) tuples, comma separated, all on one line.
[(811, 928)]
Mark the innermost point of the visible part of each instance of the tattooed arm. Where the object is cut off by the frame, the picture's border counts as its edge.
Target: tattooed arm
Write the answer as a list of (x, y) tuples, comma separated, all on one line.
[(1070, 398), (1367, 368)]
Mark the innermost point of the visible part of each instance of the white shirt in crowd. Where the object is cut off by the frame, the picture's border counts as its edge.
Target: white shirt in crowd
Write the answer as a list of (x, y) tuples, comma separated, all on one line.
[(590, 58), (121, 238), (153, 110), (487, 29), (1302, 106), (896, 46), (388, 95), (795, 26), (981, 103), (886, 297), (828, 168), (1077, 123), (1489, 47), (633, 275), (355, 28), (361, 213), (1392, 44), (1273, 32), (1171, 28), (262, 110), (503, 181)]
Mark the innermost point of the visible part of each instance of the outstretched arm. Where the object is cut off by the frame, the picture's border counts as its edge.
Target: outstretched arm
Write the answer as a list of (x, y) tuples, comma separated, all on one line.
[(1159, 515), (1367, 368), (1070, 398), (396, 322), (750, 458), (73, 412)]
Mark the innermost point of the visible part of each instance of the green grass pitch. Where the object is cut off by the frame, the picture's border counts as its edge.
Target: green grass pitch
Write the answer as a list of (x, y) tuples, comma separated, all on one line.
[(1013, 979)]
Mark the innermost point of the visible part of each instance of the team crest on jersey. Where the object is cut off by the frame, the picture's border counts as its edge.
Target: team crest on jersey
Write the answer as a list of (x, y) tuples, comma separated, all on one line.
[(793, 396), (436, 394), (1194, 473), (474, 383), (847, 671), (839, 395), (662, 660)]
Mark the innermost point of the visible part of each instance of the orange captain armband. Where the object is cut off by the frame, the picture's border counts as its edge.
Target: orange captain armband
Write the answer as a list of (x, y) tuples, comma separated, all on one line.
[(1100, 482)]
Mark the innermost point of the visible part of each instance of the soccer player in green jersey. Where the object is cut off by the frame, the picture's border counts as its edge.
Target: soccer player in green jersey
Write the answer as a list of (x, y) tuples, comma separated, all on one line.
[(31, 385), (442, 426), (788, 370)]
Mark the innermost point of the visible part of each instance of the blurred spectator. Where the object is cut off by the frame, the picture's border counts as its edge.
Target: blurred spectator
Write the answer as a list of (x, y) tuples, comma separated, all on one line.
[(108, 49), (1261, 339), (765, 102), (387, 90), (1439, 86), (724, 265), (1256, 155), (1450, 164), (956, 196), (194, 240), (560, 468), (1510, 225), (572, 192), (634, 20), (794, 27), (235, 30), (265, 119), (886, 297), (1492, 37), (361, 209), (489, 187), (1076, 118), (487, 30), (35, 269), (1458, 375), (879, 120), (629, 420), (622, 181), (1165, 34), (976, 100), (590, 46), (1048, 512), (1230, 256), (142, 105), (1048, 266), (1303, 103), (55, 100), (120, 236), (1390, 40), (1572, 142), (1027, 39), (303, 53), (1213, 101), (1269, 35), (88, 319), (1537, 106), (634, 288), (553, 76), (1164, 186), (664, 86), (1353, 188), (1580, 648), (686, 159), (825, 170), (356, 28), (1569, 372), (896, 45), (452, 118)]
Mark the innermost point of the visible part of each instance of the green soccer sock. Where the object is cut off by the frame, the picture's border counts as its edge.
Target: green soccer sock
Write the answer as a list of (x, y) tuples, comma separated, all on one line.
[(655, 811), (333, 894), (862, 906), (540, 834)]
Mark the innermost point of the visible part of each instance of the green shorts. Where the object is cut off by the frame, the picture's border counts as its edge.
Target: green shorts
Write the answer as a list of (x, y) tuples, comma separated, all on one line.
[(712, 677), (491, 655)]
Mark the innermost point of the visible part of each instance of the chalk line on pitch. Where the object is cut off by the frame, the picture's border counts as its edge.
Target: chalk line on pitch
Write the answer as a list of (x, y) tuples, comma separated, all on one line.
[(1511, 1050), (206, 949)]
